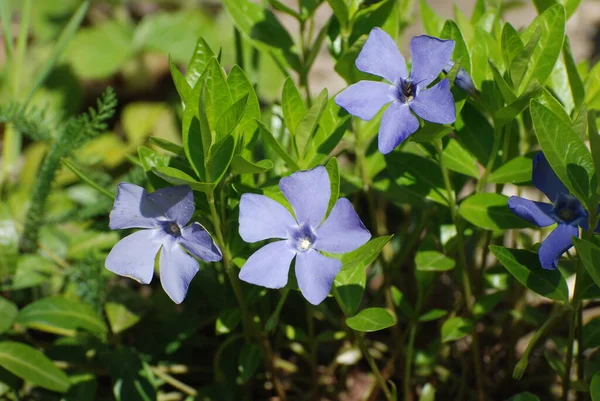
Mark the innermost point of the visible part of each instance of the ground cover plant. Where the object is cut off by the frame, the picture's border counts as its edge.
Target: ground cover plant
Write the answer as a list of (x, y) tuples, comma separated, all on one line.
[(183, 216)]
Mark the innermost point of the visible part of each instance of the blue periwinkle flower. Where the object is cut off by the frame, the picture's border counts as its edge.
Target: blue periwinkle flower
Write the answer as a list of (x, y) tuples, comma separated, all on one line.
[(380, 56), (302, 236), (565, 210), (163, 214)]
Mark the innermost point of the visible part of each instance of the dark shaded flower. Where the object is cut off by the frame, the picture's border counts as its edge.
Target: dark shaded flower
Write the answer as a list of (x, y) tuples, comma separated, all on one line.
[(565, 210), (463, 80), (163, 214), (380, 56), (301, 237)]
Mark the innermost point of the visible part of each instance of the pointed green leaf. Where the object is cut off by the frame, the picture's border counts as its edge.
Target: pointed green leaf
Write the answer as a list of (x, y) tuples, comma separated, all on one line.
[(512, 44), (456, 158), (308, 123), (573, 164), (200, 58), (33, 366), (231, 118), (215, 92), (292, 105), (273, 144), (514, 171), (183, 88), (239, 87), (456, 328), (371, 319), (490, 211), (334, 178), (177, 177), (433, 261), (520, 63), (526, 268), (240, 165), (61, 316)]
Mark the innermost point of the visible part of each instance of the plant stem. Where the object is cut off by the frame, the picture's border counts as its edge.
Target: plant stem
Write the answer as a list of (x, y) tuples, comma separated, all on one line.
[(410, 348), (249, 328), (466, 279), (374, 368), (493, 154)]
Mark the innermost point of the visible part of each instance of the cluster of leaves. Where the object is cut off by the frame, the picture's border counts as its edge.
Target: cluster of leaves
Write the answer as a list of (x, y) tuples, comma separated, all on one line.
[(450, 281)]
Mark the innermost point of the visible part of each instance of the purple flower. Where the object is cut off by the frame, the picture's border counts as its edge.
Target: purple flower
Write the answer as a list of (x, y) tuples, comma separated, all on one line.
[(163, 214), (565, 210), (380, 56), (302, 237)]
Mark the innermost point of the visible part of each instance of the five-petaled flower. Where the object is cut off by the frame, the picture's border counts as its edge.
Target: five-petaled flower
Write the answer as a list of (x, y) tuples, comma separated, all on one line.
[(380, 56), (163, 214), (565, 210), (301, 237)]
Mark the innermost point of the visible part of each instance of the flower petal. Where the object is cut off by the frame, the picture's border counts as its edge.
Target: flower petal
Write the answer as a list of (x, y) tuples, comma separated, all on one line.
[(315, 274), (133, 208), (429, 56), (380, 56), (396, 125), (537, 213), (545, 179), (261, 218), (197, 241), (176, 203), (435, 104), (177, 269), (134, 255), (555, 244), (308, 192), (342, 231), (365, 98), (269, 266)]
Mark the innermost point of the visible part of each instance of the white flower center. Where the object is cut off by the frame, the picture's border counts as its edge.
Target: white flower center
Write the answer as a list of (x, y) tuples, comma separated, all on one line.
[(304, 244)]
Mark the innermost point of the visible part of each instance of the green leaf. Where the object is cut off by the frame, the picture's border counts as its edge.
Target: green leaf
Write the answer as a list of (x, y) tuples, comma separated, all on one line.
[(61, 316), (461, 52), (490, 211), (249, 361), (520, 63), (456, 158), (241, 165), (340, 10), (230, 119), (308, 123), (215, 93), (192, 134), (514, 171), (33, 366), (264, 31), (592, 88), (292, 106), (120, 317), (548, 48), (456, 328), (221, 155), (590, 255), (595, 387), (371, 319), (507, 93), (167, 145), (183, 88), (273, 144), (432, 22), (8, 314), (177, 177), (418, 175), (239, 87), (511, 43), (351, 280), (547, 99), (525, 267), (200, 58), (433, 314), (594, 138), (433, 261), (508, 113), (334, 178), (573, 164)]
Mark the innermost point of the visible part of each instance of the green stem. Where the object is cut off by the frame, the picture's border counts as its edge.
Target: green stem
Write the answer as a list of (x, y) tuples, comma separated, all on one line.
[(374, 368), (466, 279), (410, 349)]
